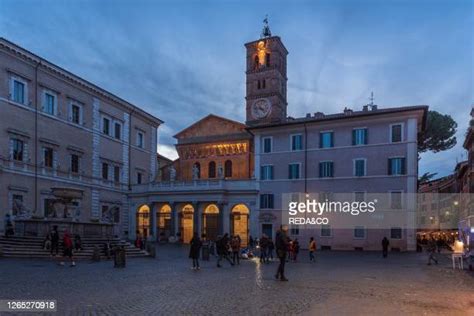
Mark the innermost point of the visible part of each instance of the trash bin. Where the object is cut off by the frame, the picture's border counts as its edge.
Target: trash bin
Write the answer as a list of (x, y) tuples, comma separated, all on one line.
[(205, 251), (120, 257)]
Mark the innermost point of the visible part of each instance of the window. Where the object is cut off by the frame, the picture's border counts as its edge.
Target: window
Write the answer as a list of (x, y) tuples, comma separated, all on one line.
[(48, 206), (396, 166), (228, 169), (18, 91), (76, 114), (105, 171), (258, 84), (212, 169), (294, 230), (116, 215), (267, 59), (118, 130), (396, 202), (140, 140), (326, 169), (360, 167), (49, 105), (267, 144), (74, 163), (256, 62), (296, 142), (396, 233), (17, 201), (266, 172), (359, 232), (326, 230), (116, 173), (294, 171), (266, 201), (139, 178), (263, 83), (18, 149), (396, 133), (106, 126), (48, 157), (326, 140), (359, 136)]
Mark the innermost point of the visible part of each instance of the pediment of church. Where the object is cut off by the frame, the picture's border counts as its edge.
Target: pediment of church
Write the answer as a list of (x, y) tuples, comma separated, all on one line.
[(212, 126)]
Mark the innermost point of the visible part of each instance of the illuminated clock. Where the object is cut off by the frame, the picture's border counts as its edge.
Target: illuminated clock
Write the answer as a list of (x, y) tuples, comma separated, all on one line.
[(261, 108)]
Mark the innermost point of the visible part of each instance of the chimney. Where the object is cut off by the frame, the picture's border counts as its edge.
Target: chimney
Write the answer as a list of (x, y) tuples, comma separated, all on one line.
[(347, 111), (318, 114)]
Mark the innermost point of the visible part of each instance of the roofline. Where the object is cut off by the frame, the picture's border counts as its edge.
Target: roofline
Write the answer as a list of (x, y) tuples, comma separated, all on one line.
[(357, 115), (207, 116), (40, 60)]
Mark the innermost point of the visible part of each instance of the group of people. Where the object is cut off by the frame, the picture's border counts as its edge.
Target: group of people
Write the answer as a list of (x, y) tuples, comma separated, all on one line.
[(227, 248), (51, 242)]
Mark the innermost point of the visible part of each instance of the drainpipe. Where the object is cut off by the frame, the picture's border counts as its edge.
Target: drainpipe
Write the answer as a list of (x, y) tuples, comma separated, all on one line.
[(130, 150), (36, 136), (305, 160)]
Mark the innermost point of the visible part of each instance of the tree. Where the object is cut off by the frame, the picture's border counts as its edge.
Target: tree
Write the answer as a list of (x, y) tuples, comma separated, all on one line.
[(427, 176), (439, 134)]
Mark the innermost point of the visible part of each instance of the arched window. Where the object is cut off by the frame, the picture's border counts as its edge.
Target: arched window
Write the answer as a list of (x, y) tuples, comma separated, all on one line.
[(212, 169), (267, 59), (228, 169), (196, 172), (256, 61)]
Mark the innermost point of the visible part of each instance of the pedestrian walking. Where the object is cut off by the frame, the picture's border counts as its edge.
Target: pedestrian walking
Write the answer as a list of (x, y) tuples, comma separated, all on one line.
[(235, 245), (296, 249), (263, 244), (281, 245), (312, 249), (432, 251), (194, 250), (385, 244), (222, 245), (67, 249), (271, 248), (54, 241)]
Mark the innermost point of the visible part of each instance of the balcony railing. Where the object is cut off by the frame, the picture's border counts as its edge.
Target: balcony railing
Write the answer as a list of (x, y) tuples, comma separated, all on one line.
[(196, 185)]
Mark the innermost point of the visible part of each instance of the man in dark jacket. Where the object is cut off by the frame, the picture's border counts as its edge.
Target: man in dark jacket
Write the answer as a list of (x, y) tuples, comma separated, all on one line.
[(222, 245), (194, 251), (281, 245)]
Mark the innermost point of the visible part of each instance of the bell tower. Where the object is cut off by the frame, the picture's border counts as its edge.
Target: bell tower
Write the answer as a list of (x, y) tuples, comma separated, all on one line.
[(266, 79)]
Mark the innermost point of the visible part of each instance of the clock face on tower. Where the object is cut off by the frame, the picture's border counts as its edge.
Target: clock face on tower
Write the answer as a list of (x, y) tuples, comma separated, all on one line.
[(261, 108)]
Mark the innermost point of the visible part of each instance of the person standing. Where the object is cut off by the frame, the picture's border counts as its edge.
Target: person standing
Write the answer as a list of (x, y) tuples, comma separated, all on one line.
[(54, 241), (67, 249), (431, 251), (222, 245), (385, 244), (263, 248), (196, 244), (296, 249), (271, 248), (235, 245), (312, 249), (281, 245)]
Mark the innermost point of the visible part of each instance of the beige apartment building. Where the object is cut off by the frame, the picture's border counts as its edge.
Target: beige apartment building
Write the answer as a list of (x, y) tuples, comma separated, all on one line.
[(61, 132)]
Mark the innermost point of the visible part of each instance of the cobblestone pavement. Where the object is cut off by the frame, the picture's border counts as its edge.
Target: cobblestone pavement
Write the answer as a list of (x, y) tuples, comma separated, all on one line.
[(338, 283)]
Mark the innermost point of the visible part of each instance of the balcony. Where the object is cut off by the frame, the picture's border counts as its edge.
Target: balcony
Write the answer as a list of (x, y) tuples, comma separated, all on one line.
[(196, 186)]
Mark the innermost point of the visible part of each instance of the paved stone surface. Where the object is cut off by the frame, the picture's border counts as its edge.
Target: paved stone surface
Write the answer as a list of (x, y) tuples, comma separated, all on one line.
[(338, 283)]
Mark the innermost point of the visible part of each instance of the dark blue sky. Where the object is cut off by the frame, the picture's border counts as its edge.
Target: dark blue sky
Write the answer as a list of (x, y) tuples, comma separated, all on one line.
[(181, 60)]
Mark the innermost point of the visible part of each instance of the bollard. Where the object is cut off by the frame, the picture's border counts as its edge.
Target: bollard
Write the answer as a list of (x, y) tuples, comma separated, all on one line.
[(120, 257)]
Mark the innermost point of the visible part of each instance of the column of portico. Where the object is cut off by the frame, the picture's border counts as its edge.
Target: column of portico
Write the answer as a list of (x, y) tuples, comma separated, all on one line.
[(224, 209), (197, 217), (153, 232)]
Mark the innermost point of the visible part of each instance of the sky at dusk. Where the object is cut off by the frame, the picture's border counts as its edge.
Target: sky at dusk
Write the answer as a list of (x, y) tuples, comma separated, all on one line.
[(181, 60)]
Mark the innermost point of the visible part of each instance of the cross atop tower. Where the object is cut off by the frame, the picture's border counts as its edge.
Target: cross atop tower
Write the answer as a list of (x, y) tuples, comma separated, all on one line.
[(266, 28)]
